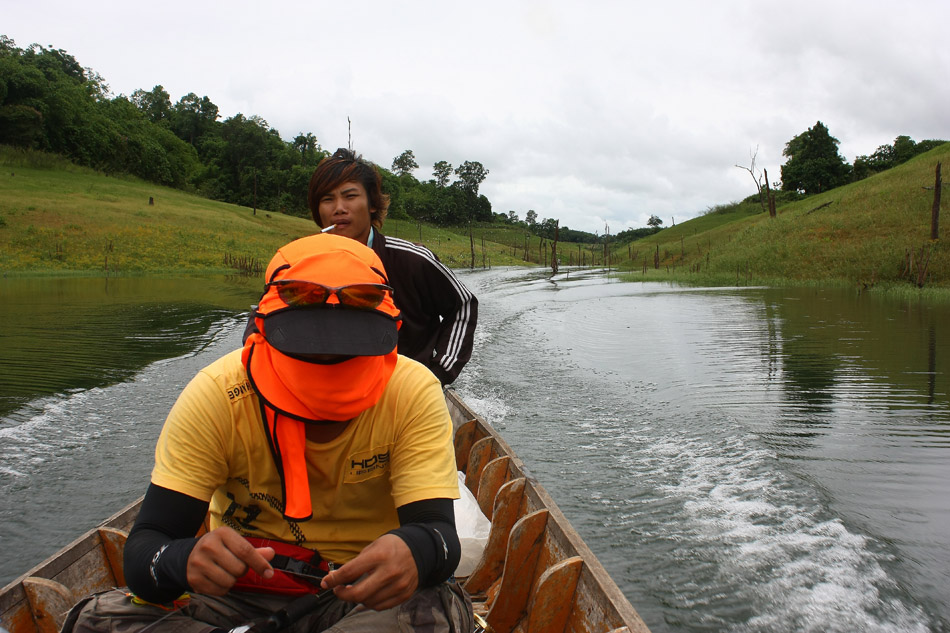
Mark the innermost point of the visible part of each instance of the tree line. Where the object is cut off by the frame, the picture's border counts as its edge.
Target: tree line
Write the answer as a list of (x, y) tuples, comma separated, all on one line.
[(814, 165), (48, 101)]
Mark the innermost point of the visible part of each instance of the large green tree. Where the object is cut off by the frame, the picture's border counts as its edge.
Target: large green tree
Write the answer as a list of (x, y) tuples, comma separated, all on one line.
[(193, 117), (405, 163), (813, 164), (154, 103), (471, 175), (442, 171)]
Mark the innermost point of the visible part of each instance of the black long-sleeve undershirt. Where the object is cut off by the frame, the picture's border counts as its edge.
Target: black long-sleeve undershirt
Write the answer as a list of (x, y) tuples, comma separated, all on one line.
[(157, 550)]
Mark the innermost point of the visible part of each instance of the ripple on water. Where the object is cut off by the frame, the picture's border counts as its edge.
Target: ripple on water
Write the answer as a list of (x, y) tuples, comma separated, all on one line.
[(68, 461), (704, 450)]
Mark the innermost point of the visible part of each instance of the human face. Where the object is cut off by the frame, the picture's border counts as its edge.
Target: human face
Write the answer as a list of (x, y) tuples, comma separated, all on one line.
[(347, 207)]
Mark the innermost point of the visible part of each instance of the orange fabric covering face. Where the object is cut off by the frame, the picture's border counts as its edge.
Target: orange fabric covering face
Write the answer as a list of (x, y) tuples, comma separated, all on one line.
[(295, 391)]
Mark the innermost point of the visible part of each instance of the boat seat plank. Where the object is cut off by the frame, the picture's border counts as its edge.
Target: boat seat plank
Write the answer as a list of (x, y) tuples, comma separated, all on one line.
[(483, 451), (495, 474), (509, 507), (465, 436), (553, 598), (520, 574), (50, 601), (113, 543)]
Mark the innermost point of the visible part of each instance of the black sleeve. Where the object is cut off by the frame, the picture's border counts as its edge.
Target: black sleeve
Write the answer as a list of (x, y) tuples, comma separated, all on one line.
[(428, 528), (458, 309), (157, 550)]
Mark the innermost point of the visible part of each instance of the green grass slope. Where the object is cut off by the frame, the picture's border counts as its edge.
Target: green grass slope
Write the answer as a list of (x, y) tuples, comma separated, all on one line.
[(872, 232), (56, 218)]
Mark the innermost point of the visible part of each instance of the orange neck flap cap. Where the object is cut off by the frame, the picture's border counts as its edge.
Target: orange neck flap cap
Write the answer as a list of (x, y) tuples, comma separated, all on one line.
[(294, 389)]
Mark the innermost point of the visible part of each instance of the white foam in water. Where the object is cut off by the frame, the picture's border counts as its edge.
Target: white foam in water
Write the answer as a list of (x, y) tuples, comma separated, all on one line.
[(68, 461), (796, 571), (54, 427), (828, 581), (491, 408)]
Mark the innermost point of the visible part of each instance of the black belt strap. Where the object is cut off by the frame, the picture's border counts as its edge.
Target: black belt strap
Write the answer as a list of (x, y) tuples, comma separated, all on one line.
[(299, 567)]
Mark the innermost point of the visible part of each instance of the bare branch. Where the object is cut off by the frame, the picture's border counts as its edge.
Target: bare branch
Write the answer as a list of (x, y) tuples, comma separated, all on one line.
[(758, 179)]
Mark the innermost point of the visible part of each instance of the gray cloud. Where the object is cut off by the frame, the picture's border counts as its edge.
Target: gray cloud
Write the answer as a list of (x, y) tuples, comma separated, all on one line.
[(595, 113)]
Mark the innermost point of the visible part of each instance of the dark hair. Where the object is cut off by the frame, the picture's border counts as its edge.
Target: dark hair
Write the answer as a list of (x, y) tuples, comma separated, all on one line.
[(347, 166)]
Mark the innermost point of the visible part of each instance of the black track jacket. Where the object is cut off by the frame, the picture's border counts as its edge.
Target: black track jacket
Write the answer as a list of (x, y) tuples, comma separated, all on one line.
[(438, 311)]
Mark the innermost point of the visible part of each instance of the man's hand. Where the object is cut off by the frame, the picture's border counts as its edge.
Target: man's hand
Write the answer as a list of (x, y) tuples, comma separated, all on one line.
[(382, 576), (221, 557)]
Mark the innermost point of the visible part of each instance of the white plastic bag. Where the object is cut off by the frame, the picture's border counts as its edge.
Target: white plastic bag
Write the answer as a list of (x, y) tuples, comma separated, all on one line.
[(472, 527)]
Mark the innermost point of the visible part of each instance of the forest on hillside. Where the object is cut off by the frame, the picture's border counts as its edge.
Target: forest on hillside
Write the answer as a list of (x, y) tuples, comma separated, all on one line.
[(50, 102)]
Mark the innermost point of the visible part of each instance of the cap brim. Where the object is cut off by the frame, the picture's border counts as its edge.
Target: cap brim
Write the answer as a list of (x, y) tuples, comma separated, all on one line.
[(327, 330)]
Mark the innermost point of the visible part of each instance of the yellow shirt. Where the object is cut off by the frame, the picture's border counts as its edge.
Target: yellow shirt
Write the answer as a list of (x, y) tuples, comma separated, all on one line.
[(213, 447)]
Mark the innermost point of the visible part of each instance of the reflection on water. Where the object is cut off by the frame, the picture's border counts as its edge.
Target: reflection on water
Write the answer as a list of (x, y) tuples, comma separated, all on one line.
[(78, 333), (739, 459), (89, 368)]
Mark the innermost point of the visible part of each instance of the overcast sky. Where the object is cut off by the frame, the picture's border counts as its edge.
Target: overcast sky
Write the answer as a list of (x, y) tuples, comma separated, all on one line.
[(597, 113)]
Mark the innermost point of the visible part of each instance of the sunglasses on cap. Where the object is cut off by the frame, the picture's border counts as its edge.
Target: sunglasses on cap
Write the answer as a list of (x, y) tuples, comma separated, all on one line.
[(300, 293)]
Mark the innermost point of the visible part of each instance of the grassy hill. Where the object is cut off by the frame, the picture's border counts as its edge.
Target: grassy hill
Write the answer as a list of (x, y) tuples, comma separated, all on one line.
[(56, 218), (872, 232)]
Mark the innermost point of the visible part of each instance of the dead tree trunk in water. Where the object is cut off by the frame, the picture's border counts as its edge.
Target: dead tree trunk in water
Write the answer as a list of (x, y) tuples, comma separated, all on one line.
[(471, 241), (769, 195), (935, 212), (554, 248)]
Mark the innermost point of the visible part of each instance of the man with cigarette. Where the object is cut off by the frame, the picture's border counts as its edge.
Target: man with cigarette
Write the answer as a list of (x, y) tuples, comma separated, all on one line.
[(439, 313)]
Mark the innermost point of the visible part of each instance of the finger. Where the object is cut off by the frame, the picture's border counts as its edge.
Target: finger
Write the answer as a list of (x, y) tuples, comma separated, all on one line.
[(380, 589), (378, 598), (358, 590), (247, 556), (221, 556), (267, 553), (206, 576), (349, 573)]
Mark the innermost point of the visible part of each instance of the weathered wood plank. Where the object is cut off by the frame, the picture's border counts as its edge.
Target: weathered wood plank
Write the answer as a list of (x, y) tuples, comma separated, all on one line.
[(463, 439), (521, 573), (509, 507), (495, 474), (607, 603), (483, 451), (113, 544), (553, 598), (50, 601), (18, 617)]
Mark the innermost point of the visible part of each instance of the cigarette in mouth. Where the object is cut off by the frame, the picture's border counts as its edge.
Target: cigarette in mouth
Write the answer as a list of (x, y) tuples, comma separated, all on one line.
[(329, 228)]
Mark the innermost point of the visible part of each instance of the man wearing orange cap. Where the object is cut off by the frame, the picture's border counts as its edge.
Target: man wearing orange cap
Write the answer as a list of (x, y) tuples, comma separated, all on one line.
[(326, 462)]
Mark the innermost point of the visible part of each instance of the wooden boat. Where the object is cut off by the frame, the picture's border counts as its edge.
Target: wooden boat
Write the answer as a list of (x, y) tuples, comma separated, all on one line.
[(535, 575)]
